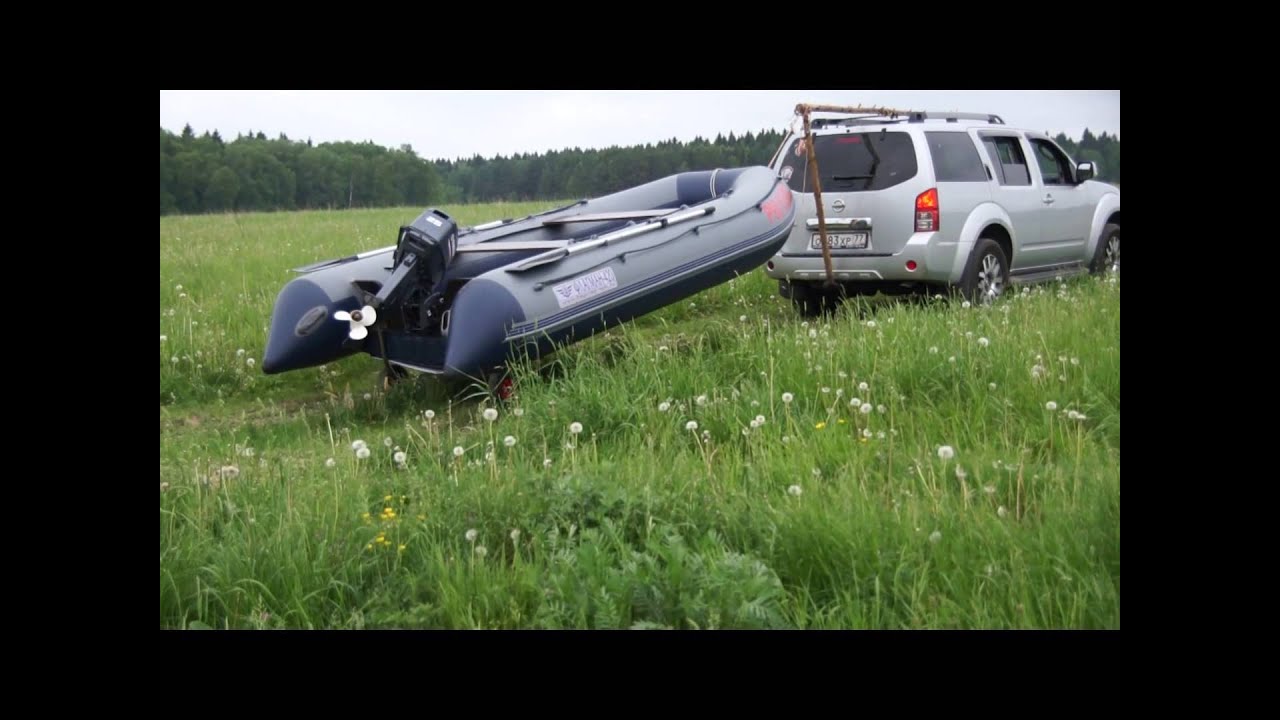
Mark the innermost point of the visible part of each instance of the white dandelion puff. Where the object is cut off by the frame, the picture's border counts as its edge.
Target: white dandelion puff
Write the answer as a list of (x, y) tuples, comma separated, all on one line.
[(509, 441), (330, 463), (946, 452), (863, 386), (817, 472), (250, 362), (742, 318), (989, 489), (866, 433), (240, 352), (794, 490), (490, 414), (662, 348), (515, 536), (787, 398), (961, 474), (882, 409), (880, 435), (855, 402), (966, 304), (691, 425), (546, 462), (1001, 511), (518, 412), (983, 342), (701, 400), (871, 323), (400, 457), (664, 406), (368, 396), (575, 428), (936, 535), (760, 420), (991, 386), (471, 535), (1051, 406), (951, 359), (933, 350), (458, 451), (429, 414), (865, 409), (362, 453)]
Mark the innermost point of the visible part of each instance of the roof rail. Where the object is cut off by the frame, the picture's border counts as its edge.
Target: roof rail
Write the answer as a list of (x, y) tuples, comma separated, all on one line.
[(873, 115)]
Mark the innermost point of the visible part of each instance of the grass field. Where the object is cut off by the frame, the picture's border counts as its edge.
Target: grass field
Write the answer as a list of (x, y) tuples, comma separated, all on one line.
[(936, 466)]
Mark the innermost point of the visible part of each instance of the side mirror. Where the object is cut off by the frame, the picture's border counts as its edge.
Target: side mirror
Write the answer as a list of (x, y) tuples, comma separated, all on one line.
[(1084, 171)]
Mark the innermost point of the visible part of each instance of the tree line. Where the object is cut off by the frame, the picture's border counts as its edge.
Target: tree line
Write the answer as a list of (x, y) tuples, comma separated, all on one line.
[(207, 174)]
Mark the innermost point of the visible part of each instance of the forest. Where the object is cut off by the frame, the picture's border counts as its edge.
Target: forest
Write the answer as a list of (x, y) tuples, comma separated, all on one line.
[(206, 173)]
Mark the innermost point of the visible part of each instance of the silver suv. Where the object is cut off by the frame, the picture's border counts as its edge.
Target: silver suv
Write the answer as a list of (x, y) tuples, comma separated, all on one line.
[(939, 200)]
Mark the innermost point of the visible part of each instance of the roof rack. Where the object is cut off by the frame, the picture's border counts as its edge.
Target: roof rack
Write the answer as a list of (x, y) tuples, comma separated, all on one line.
[(875, 115)]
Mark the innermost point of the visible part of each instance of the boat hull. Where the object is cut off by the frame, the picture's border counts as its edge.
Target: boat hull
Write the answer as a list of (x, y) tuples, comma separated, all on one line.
[(527, 287)]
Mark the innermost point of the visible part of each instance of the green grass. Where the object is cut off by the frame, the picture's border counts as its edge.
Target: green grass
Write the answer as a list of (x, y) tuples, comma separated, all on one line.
[(638, 522)]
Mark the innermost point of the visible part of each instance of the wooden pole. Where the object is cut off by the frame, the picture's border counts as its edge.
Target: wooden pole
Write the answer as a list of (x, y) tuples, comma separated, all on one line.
[(817, 194)]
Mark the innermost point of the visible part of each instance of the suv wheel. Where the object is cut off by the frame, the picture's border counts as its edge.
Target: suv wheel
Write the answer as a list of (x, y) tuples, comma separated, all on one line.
[(812, 300), (987, 276), (1107, 257)]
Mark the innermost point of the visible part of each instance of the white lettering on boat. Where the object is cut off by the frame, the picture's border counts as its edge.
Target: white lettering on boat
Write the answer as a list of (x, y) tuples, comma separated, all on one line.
[(584, 287)]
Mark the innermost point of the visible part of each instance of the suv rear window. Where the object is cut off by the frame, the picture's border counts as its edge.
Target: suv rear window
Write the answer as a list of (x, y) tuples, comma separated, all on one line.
[(955, 159), (852, 162)]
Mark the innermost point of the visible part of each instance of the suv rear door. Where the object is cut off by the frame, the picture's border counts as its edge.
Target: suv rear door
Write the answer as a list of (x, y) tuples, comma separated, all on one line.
[(1014, 192), (865, 190)]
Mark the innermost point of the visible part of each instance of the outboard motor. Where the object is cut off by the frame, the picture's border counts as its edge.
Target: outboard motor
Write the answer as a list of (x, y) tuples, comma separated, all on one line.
[(417, 284)]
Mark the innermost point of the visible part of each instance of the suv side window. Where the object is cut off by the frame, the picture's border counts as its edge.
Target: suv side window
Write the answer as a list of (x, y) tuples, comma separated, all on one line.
[(1010, 163), (852, 162), (1054, 166), (955, 159)]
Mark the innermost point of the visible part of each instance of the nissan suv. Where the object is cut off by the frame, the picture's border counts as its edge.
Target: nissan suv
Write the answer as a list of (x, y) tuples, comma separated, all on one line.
[(933, 201)]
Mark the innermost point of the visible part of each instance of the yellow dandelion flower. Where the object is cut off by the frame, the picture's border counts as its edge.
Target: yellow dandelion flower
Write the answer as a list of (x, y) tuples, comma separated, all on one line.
[(369, 546), (862, 439), (422, 517), (364, 516), (402, 547), (820, 425), (386, 499), (388, 511), (841, 421)]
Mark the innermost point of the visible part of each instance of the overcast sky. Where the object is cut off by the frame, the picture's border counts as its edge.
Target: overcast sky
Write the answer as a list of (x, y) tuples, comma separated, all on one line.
[(461, 123)]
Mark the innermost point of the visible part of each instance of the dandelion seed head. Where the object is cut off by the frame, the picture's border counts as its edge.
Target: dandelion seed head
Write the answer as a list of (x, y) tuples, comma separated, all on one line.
[(518, 412), (1051, 406), (863, 386), (1001, 511), (787, 398), (546, 462), (961, 474), (946, 452), (429, 414), (701, 400), (400, 457), (983, 342), (250, 362), (490, 414), (865, 409), (575, 427), (933, 349), (330, 463), (989, 489), (691, 425), (794, 490), (664, 406), (358, 444), (471, 535), (362, 453), (935, 536), (866, 433), (458, 451), (991, 386), (871, 323), (509, 441)]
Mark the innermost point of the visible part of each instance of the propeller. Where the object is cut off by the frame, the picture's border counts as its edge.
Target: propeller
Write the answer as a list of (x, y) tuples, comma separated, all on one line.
[(360, 320)]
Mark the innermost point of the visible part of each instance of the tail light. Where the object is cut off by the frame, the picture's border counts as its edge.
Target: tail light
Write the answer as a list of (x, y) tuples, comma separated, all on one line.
[(927, 219)]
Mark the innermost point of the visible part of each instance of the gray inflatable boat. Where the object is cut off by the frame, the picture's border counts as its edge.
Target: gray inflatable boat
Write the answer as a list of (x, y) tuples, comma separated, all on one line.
[(462, 303)]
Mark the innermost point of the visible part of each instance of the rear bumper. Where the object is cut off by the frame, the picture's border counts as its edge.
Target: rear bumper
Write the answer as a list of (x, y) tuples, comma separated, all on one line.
[(933, 256)]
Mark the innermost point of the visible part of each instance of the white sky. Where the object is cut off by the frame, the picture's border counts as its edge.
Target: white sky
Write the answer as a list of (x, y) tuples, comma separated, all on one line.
[(461, 123)]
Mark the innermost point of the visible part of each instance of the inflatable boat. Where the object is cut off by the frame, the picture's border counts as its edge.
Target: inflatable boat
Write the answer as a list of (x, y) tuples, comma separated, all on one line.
[(464, 302)]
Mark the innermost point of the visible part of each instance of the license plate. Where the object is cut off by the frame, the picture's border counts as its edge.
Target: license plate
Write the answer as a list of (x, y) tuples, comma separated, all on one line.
[(841, 241)]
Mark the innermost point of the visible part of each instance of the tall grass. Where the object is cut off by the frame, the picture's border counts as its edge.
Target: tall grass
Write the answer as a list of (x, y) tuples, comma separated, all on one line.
[(820, 516)]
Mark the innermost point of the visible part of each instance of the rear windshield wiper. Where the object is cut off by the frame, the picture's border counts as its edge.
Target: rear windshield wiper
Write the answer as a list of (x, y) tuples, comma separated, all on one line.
[(852, 177)]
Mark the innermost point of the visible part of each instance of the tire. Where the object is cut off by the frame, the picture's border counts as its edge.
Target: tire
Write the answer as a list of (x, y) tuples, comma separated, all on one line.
[(812, 301), (1107, 257), (987, 275)]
